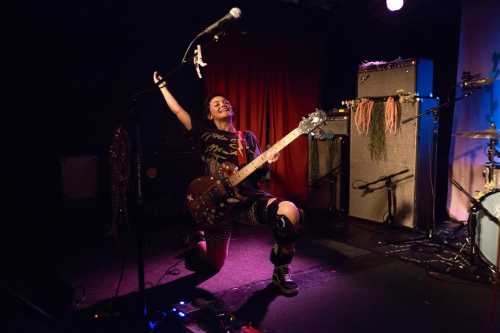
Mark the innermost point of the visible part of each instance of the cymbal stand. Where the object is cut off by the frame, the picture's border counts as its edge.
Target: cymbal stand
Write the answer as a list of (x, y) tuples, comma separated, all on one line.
[(489, 170)]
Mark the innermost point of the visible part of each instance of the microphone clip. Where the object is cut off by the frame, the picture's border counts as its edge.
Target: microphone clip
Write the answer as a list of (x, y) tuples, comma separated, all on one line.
[(198, 60), (469, 82)]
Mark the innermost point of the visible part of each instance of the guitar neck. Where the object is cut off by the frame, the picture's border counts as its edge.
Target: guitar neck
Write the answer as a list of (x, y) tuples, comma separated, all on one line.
[(248, 169)]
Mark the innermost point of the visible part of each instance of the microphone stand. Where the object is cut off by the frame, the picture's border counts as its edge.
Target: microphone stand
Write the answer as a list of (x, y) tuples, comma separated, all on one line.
[(215, 38), (138, 209), (435, 138), (390, 185)]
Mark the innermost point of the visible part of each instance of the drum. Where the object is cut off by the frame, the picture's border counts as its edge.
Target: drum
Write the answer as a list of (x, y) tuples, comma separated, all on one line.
[(486, 228)]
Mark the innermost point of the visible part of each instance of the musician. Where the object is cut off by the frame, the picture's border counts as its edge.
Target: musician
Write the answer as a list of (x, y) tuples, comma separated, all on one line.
[(221, 142)]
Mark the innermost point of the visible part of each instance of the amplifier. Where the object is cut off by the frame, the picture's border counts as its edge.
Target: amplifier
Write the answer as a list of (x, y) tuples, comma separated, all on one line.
[(337, 123), (410, 148), (328, 165)]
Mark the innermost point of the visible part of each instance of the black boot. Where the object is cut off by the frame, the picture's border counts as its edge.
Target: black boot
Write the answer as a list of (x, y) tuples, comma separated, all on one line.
[(193, 256), (282, 278)]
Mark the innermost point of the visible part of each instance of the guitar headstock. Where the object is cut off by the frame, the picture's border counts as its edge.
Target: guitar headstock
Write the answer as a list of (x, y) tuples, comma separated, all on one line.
[(312, 121)]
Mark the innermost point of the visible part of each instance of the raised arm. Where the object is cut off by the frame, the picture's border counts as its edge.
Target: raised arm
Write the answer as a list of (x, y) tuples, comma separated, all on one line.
[(172, 103)]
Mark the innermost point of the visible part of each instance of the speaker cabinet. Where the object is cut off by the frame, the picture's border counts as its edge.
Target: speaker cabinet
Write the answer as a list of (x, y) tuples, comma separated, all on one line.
[(328, 167), (411, 148)]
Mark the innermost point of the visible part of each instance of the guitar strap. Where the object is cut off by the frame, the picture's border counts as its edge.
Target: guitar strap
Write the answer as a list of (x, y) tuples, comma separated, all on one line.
[(241, 151)]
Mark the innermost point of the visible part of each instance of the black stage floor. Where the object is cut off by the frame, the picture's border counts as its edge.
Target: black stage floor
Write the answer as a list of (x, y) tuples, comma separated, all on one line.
[(350, 281)]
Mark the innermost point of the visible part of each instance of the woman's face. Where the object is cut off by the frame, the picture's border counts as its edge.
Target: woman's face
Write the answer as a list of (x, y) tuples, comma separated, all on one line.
[(219, 108)]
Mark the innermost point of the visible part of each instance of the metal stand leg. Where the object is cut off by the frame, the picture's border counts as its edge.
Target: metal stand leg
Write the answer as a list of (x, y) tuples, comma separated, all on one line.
[(390, 220), (391, 202), (332, 183), (472, 223)]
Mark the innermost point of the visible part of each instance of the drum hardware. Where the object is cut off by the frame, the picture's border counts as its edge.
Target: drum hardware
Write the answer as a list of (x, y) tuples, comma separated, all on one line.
[(462, 248), (492, 180), (492, 151)]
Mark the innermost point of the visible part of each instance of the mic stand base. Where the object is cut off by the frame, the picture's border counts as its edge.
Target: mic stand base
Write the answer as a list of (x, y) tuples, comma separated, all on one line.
[(390, 220)]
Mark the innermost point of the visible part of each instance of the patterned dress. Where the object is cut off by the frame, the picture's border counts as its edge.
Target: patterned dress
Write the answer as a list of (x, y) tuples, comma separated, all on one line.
[(219, 146)]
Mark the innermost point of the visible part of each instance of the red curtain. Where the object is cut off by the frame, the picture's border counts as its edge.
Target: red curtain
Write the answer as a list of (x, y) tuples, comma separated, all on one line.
[(272, 82)]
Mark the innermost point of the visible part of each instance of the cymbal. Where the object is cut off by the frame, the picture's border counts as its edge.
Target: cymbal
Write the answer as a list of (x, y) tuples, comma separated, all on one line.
[(490, 133)]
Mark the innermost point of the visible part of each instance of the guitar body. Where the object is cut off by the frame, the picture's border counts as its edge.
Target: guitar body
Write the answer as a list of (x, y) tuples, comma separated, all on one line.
[(207, 197)]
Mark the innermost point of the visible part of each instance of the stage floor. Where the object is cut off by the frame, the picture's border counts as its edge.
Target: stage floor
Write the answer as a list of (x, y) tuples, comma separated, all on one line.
[(349, 282)]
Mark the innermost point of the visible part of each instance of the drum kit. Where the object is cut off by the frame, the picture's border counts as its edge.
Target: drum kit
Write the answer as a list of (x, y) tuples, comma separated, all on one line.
[(483, 221)]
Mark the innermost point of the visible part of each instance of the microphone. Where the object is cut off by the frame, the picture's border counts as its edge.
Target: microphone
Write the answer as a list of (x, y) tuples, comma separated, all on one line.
[(476, 82), (234, 14)]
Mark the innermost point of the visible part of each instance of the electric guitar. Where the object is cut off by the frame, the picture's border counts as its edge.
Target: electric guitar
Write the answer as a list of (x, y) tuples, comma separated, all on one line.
[(209, 197)]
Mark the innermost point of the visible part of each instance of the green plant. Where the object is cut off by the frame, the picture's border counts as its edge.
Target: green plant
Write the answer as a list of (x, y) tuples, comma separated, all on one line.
[(377, 132)]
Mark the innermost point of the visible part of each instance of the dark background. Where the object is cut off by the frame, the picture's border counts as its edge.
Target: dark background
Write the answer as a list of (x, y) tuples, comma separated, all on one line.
[(73, 66)]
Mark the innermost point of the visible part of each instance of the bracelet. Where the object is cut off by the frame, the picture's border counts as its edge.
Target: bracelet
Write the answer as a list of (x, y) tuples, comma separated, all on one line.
[(161, 84)]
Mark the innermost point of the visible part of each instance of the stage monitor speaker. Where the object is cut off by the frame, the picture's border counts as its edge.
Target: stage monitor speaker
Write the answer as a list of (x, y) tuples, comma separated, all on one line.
[(411, 148), (328, 167)]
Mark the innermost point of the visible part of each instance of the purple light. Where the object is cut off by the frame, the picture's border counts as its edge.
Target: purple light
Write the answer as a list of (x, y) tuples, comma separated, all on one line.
[(394, 5)]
